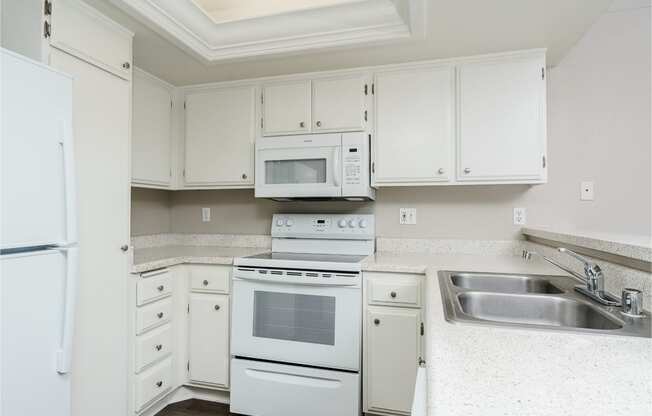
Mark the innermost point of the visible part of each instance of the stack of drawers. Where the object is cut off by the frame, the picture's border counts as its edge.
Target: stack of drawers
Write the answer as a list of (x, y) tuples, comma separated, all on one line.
[(153, 347)]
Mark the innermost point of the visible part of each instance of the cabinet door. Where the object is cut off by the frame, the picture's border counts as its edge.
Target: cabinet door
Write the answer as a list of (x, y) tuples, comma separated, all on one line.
[(501, 120), (392, 342), (209, 339), (151, 125), (338, 104), (414, 125), (286, 108), (220, 134)]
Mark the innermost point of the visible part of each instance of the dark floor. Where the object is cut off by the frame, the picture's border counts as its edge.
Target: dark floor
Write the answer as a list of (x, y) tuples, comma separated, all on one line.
[(195, 408)]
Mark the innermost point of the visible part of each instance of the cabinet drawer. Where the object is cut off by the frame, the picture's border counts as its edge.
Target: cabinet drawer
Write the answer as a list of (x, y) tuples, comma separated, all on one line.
[(153, 346), (395, 290), (153, 286), (152, 383), (153, 315), (209, 278)]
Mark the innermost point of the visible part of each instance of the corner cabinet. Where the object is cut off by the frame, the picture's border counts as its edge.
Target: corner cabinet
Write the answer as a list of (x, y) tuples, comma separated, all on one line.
[(151, 131), (219, 140), (392, 341)]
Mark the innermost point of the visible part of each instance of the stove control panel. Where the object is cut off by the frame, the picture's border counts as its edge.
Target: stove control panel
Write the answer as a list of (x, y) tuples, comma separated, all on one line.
[(334, 226)]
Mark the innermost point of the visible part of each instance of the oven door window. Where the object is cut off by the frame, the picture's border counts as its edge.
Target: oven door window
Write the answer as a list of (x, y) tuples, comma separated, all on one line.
[(296, 171), (294, 317)]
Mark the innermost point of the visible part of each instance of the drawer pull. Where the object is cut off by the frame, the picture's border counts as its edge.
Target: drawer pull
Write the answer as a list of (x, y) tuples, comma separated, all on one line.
[(159, 347), (393, 295), (205, 282), (161, 288), (159, 383), (160, 315), (376, 321), (217, 307)]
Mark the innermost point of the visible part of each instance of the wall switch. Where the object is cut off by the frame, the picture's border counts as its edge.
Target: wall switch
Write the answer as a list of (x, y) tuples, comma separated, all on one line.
[(586, 192), (519, 216), (408, 216), (205, 214)]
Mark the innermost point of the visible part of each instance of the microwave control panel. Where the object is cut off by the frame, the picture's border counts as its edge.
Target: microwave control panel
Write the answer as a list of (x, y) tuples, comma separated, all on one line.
[(355, 164)]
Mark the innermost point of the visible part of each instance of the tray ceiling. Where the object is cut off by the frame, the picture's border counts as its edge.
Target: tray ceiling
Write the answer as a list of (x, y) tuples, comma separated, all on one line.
[(216, 30)]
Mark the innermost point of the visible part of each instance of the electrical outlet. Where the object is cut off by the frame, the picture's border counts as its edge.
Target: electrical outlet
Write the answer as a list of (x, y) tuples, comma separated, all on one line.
[(206, 214), (408, 216), (586, 191), (519, 216)]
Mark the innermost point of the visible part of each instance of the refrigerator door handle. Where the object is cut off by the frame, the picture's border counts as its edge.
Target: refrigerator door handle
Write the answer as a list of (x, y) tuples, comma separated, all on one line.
[(64, 353), (69, 183)]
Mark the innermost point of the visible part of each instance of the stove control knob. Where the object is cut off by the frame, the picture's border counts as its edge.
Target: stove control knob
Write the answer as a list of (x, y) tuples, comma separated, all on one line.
[(362, 224), (289, 223), (352, 224), (279, 222), (341, 223)]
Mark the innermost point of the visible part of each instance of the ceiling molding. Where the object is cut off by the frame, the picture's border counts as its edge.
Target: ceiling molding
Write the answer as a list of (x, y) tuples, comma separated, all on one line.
[(343, 24)]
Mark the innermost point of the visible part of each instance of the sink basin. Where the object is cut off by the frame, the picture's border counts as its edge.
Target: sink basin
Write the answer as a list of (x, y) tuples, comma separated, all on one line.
[(504, 283), (536, 302), (535, 310)]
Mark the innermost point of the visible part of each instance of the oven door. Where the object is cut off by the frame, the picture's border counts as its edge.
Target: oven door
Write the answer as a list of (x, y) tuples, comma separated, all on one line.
[(299, 166), (317, 325)]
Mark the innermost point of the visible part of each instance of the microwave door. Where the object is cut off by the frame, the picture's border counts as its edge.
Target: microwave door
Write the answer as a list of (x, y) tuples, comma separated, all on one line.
[(298, 172)]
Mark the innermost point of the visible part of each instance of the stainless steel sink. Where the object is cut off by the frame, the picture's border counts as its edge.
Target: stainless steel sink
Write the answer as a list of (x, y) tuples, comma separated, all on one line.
[(504, 283), (532, 301)]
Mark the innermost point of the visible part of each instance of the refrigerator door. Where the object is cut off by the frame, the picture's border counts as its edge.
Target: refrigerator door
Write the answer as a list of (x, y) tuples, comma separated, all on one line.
[(37, 295), (37, 177)]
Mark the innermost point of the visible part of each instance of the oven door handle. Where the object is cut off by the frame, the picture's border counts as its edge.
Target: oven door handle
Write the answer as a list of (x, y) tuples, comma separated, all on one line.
[(294, 282)]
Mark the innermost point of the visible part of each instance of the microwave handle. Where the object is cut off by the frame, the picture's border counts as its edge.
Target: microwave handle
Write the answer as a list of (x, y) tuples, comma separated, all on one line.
[(336, 167)]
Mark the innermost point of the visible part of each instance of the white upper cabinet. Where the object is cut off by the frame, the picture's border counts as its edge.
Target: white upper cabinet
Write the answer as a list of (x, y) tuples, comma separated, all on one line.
[(414, 125), (286, 108), (78, 29), (338, 104), (502, 119), (151, 127), (220, 134)]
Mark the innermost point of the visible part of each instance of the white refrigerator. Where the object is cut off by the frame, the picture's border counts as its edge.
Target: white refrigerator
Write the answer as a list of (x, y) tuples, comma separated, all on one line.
[(38, 238)]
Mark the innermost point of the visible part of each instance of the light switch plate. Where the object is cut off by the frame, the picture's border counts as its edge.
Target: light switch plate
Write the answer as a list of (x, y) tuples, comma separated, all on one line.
[(586, 191), (520, 216), (408, 216), (205, 214)]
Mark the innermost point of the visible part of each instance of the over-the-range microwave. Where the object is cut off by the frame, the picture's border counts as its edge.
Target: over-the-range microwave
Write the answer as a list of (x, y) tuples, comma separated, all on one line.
[(315, 166)]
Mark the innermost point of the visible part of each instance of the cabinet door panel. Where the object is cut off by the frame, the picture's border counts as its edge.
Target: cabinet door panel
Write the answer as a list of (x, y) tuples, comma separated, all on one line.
[(151, 124), (501, 119), (286, 108), (392, 343), (338, 104), (220, 133), (414, 125), (209, 339)]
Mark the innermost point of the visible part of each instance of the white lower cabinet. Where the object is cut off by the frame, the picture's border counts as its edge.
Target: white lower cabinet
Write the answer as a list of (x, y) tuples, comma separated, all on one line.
[(392, 344), (152, 383), (208, 344)]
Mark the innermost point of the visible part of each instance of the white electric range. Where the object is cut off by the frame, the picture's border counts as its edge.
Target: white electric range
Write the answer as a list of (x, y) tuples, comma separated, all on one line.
[(297, 325)]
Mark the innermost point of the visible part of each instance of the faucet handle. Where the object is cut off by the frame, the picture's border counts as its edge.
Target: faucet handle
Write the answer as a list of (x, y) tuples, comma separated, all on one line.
[(632, 302), (577, 256), (593, 272)]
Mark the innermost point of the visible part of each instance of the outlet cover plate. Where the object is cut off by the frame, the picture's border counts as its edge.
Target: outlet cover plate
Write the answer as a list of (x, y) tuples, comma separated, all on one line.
[(520, 216), (408, 216), (206, 214), (587, 191)]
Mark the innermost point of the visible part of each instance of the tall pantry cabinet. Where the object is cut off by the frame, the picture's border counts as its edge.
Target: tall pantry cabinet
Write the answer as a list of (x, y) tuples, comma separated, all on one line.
[(78, 40)]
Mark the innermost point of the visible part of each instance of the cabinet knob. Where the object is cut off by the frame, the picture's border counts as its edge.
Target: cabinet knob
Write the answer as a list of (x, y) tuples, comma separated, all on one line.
[(393, 294), (376, 321), (244, 176), (302, 124), (160, 315), (160, 288), (126, 65), (318, 123), (124, 247), (159, 347), (205, 283), (159, 383), (217, 307), (467, 170), (441, 171)]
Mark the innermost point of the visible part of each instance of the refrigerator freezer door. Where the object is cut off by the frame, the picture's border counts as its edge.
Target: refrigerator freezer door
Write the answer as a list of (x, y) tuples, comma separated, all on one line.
[(33, 290), (37, 176)]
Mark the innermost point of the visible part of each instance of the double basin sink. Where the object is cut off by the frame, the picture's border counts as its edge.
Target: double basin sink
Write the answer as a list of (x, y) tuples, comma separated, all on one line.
[(532, 301)]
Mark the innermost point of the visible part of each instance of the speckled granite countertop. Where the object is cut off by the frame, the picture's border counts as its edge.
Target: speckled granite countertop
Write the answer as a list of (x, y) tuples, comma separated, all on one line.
[(146, 259)]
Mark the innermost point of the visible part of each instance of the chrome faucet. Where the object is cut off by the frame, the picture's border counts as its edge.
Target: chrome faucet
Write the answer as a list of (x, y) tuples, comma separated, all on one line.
[(593, 277)]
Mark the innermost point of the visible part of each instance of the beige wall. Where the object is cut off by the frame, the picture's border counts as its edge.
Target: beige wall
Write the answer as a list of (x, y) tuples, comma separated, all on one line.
[(150, 211), (599, 130)]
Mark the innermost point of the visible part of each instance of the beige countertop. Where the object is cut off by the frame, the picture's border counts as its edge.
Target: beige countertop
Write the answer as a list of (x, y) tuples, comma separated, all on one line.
[(146, 259)]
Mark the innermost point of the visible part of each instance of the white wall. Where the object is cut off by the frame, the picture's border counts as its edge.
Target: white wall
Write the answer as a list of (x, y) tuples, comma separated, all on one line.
[(599, 130)]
